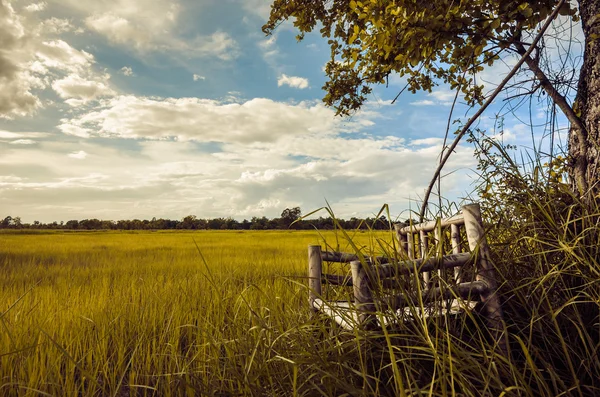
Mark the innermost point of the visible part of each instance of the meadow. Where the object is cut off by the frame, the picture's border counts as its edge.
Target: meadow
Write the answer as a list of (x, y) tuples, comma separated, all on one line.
[(225, 313), (157, 313)]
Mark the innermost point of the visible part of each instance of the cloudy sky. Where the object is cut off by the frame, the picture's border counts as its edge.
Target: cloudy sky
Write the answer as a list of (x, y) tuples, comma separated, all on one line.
[(118, 109)]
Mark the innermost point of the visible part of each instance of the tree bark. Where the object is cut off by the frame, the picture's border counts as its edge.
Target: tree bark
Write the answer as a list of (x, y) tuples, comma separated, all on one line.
[(584, 150)]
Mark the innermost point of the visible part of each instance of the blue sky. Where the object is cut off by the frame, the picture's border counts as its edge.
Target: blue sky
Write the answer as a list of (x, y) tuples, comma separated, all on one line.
[(121, 109)]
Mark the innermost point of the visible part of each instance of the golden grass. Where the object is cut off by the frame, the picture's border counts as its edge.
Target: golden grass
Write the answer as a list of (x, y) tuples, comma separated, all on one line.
[(225, 313), (156, 313)]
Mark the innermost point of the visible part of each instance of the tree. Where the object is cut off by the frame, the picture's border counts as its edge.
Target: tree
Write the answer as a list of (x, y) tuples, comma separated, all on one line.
[(450, 41), (6, 222), (289, 215)]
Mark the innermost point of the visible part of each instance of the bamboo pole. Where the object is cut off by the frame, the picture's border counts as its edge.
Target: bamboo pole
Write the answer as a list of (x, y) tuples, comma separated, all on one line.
[(363, 299), (346, 257), (315, 270), (431, 225), (439, 250), (455, 239), (485, 273), (465, 291), (407, 267), (410, 245), (402, 241), (424, 244)]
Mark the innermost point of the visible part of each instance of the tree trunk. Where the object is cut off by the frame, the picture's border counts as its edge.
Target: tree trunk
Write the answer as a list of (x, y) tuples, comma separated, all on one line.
[(584, 149)]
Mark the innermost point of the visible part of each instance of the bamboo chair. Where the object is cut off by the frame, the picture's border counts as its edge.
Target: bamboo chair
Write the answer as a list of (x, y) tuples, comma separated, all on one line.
[(435, 280)]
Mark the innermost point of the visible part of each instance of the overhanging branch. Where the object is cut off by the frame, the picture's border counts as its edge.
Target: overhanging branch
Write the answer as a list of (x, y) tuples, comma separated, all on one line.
[(497, 91)]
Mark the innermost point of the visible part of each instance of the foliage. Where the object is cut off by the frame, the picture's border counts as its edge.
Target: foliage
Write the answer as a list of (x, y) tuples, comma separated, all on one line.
[(426, 41), (290, 219)]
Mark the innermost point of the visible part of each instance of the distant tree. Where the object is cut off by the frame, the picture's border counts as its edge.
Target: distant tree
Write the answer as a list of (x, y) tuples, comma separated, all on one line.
[(189, 222), (6, 222), (72, 224), (259, 223), (289, 215)]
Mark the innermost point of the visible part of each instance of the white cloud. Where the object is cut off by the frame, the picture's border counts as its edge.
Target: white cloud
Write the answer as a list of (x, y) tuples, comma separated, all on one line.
[(80, 155), (19, 135), (204, 120), (23, 142), (82, 90), (34, 7), (174, 179), (198, 77), (143, 24), (150, 25), (260, 8), (119, 30), (127, 71), (70, 129), (60, 55), (16, 82), (427, 142), (292, 81), (218, 44), (55, 25), (424, 102)]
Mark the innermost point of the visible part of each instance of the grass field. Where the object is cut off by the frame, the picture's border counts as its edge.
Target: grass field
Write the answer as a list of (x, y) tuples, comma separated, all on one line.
[(225, 313), (158, 313)]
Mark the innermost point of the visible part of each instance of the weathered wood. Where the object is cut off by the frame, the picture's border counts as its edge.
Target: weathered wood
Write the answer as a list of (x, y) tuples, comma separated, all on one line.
[(343, 313), (340, 311), (468, 291), (455, 239), (407, 267), (345, 257), (410, 245), (363, 299), (485, 273), (429, 226), (404, 307), (424, 244), (439, 246), (315, 270), (334, 279), (402, 242)]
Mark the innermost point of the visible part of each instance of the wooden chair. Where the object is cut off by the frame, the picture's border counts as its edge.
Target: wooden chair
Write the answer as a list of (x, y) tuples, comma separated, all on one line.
[(422, 268)]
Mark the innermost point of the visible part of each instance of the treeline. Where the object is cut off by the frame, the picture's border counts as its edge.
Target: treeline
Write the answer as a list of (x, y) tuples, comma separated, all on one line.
[(289, 219)]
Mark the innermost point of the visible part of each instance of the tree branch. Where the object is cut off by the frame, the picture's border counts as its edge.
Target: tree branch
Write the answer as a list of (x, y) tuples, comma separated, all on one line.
[(553, 93), (497, 91)]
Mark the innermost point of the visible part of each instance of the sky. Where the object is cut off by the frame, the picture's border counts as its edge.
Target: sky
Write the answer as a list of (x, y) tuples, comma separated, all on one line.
[(122, 109)]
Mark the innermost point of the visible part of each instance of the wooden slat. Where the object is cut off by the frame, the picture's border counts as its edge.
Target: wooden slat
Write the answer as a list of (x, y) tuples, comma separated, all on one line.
[(410, 245), (429, 226), (345, 257), (345, 315), (407, 267), (315, 269), (485, 273), (340, 311), (469, 291), (402, 242), (363, 298), (424, 244), (334, 279), (439, 246), (455, 239)]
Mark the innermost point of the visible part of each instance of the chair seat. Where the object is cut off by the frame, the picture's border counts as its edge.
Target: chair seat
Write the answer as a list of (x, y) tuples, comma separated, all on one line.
[(345, 314)]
